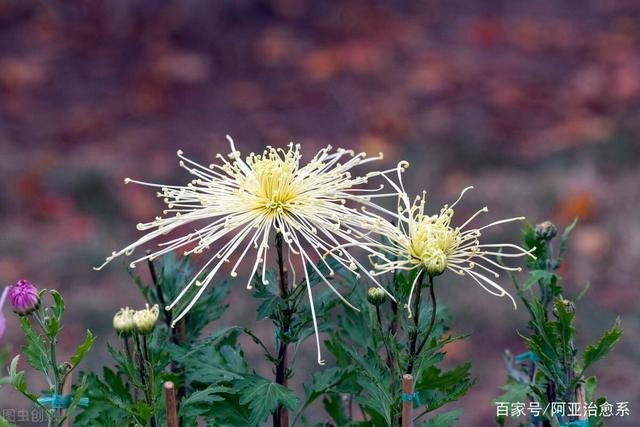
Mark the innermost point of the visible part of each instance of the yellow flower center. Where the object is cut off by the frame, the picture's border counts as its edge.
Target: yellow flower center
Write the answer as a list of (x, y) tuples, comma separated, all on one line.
[(275, 186), (433, 241)]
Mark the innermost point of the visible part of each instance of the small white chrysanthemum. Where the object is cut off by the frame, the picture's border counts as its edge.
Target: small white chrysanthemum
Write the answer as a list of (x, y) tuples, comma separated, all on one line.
[(243, 201), (431, 245)]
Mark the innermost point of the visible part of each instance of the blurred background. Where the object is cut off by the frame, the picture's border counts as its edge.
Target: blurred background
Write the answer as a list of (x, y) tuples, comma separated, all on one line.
[(536, 104)]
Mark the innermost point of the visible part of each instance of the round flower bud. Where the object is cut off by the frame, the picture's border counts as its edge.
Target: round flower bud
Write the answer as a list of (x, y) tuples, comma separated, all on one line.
[(145, 319), (546, 230), (435, 262), (24, 298), (123, 321), (375, 296), (568, 305)]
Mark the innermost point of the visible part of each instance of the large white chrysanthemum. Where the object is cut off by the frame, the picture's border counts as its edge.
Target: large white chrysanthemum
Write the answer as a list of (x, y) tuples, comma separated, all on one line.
[(241, 203), (430, 244)]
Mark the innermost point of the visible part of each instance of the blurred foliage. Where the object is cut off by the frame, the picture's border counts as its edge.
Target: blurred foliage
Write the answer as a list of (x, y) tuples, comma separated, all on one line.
[(552, 372)]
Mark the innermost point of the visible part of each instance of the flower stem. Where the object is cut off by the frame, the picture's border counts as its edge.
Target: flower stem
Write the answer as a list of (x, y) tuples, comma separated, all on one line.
[(432, 322), (55, 382), (149, 369), (177, 334), (389, 355), (281, 415), (127, 347), (416, 321), (144, 380)]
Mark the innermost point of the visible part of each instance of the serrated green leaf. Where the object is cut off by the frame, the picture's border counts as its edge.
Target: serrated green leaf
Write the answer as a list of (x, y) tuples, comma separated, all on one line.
[(263, 397), (513, 393), (227, 413), (565, 330), (214, 337), (446, 419), (604, 346), (333, 406), (199, 402), (433, 378), (35, 350), (18, 380), (83, 349)]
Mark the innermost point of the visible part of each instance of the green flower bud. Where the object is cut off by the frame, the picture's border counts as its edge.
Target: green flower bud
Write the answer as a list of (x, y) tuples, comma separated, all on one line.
[(568, 305), (145, 319), (435, 262), (123, 321), (375, 296), (546, 230)]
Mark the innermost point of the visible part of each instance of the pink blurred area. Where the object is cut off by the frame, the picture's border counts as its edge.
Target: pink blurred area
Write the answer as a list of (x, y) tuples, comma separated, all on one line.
[(536, 104)]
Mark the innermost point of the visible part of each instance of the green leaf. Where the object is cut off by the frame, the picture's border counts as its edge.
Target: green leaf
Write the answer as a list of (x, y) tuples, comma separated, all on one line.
[(433, 378), (200, 402), (227, 413), (263, 397), (82, 350), (322, 382), (537, 247), (208, 395), (54, 323), (604, 346), (216, 336), (513, 393), (535, 276), (565, 237), (446, 419), (590, 388), (565, 330), (333, 406), (18, 380), (35, 350), (58, 310)]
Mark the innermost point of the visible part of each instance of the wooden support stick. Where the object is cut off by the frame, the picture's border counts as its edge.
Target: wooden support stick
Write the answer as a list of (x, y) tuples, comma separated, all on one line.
[(580, 397), (407, 404), (66, 389), (170, 399)]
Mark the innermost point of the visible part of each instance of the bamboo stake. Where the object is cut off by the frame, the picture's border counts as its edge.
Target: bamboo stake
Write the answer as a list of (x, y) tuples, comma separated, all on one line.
[(407, 404), (170, 399), (66, 390), (580, 397)]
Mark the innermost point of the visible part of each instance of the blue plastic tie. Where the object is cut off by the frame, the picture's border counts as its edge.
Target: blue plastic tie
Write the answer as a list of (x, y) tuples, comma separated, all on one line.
[(521, 358), (413, 396), (575, 423), (59, 401)]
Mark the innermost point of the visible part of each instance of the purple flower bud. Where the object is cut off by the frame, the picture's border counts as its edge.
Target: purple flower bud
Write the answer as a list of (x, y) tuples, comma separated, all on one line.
[(24, 298)]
